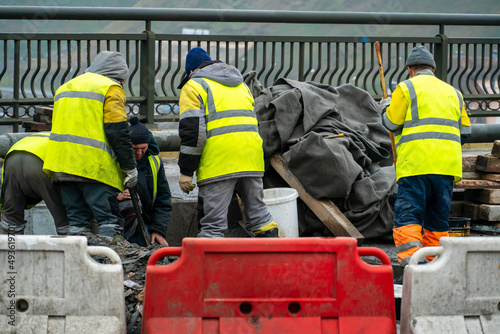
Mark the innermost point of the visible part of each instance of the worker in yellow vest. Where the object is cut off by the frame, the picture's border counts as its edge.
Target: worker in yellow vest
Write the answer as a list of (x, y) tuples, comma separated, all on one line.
[(220, 141), (24, 184), (89, 151), (430, 124), (152, 188)]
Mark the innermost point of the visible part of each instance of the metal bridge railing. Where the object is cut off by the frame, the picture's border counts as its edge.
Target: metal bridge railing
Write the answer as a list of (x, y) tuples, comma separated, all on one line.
[(33, 66)]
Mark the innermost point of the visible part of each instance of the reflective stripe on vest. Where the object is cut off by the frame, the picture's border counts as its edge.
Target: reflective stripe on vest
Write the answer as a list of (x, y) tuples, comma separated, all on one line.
[(78, 144), (154, 162), (429, 141), (233, 142)]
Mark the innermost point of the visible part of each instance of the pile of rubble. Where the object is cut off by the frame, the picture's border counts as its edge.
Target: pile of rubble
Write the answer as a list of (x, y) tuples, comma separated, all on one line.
[(134, 261)]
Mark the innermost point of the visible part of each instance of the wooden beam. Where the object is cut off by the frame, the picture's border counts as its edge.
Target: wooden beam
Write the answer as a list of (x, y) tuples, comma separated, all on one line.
[(324, 209), (488, 163), (496, 149), (477, 184)]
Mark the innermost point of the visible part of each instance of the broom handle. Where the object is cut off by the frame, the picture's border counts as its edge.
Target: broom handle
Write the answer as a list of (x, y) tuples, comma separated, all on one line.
[(384, 94)]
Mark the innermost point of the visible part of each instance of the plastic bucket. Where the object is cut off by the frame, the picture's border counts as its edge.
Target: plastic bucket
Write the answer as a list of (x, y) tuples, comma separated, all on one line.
[(282, 204)]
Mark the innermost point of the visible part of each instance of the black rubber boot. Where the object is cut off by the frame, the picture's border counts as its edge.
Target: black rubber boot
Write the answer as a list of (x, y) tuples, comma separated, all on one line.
[(272, 233)]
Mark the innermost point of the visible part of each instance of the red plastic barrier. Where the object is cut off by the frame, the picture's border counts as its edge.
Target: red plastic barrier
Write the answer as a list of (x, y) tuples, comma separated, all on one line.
[(295, 285)]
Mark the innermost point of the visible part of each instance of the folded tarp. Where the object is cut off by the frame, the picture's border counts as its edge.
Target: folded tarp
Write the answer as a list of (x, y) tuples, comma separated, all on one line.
[(354, 170)]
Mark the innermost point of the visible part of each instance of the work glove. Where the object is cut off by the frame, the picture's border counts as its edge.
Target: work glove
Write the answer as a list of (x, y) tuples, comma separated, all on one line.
[(130, 178), (384, 103), (186, 183)]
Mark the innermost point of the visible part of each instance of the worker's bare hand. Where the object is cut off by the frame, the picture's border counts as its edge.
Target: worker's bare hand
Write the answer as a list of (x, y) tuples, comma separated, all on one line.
[(158, 238), (123, 196)]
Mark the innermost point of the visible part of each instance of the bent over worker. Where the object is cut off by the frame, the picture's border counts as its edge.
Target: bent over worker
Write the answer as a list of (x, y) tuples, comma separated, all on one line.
[(89, 152), (24, 184), (430, 124), (220, 141), (152, 188)]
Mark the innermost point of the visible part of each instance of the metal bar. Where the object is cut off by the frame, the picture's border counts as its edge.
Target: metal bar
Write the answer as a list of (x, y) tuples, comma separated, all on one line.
[(147, 76), (232, 15), (16, 84)]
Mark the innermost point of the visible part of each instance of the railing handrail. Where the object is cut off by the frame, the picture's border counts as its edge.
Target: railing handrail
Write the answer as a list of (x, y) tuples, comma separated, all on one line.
[(235, 15)]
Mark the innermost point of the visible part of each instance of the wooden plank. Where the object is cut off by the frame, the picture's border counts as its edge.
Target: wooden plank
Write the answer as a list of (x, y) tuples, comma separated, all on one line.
[(469, 163), (491, 177), (488, 163), (477, 184), (495, 151), (489, 196), (41, 110), (456, 209), (471, 210), (471, 175), (489, 212), (324, 209)]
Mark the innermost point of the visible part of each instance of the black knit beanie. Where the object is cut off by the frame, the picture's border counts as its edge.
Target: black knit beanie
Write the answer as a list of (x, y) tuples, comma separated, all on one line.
[(139, 133)]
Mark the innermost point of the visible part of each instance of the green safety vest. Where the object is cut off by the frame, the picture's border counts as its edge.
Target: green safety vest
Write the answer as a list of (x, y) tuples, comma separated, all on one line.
[(429, 142), (35, 144), (233, 142), (78, 143)]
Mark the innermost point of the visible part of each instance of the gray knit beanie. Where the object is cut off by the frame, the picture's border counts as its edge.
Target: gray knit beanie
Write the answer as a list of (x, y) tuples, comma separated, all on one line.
[(420, 56)]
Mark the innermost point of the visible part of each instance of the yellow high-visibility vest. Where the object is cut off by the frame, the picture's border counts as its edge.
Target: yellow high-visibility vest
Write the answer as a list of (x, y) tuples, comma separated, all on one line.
[(35, 144), (429, 141), (154, 162), (233, 142), (78, 143)]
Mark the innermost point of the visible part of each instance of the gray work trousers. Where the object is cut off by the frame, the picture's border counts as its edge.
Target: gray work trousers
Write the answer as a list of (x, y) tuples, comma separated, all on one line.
[(216, 199), (25, 184), (84, 199)]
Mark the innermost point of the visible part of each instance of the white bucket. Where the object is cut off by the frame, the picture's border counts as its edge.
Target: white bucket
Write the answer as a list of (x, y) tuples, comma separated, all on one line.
[(282, 204)]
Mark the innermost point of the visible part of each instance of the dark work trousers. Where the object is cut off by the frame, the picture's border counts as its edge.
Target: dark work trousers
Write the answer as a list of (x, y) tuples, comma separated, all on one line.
[(216, 198), (84, 199), (424, 200), (25, 184)]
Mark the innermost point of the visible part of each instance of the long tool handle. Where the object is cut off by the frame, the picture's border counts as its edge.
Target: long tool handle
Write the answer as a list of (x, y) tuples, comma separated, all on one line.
[(138, 214), (384, 94)]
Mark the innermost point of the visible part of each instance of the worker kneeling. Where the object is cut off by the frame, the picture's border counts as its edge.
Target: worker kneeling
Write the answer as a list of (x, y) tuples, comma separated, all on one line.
[(152, 188), (221, 142)]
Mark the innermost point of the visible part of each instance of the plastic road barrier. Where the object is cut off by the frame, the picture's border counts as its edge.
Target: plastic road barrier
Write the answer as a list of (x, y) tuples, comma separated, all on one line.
[(299, 285), (458, 292), (50, 284)]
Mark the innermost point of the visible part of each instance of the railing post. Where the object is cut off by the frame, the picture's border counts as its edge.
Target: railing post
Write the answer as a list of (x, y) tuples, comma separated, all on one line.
[(16, 88), (441, 57), (147, 75), (301, 61)]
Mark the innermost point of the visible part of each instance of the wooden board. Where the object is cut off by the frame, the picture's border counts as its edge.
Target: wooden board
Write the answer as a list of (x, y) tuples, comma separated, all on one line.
[(489, 212), (495, 151), (477, 184), (469, 163), (471, 175), (471, 210), (491, 177), (488, 163), (456, 208), (489, 196), (324, 209)]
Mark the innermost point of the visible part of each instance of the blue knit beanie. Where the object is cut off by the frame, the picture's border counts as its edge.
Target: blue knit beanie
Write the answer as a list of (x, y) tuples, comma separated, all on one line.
[(195, 58), (139, 133)]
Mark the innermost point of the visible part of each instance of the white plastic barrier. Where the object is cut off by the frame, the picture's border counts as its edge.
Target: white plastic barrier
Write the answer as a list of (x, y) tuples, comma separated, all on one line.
[(50, 284), (458, 292)]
